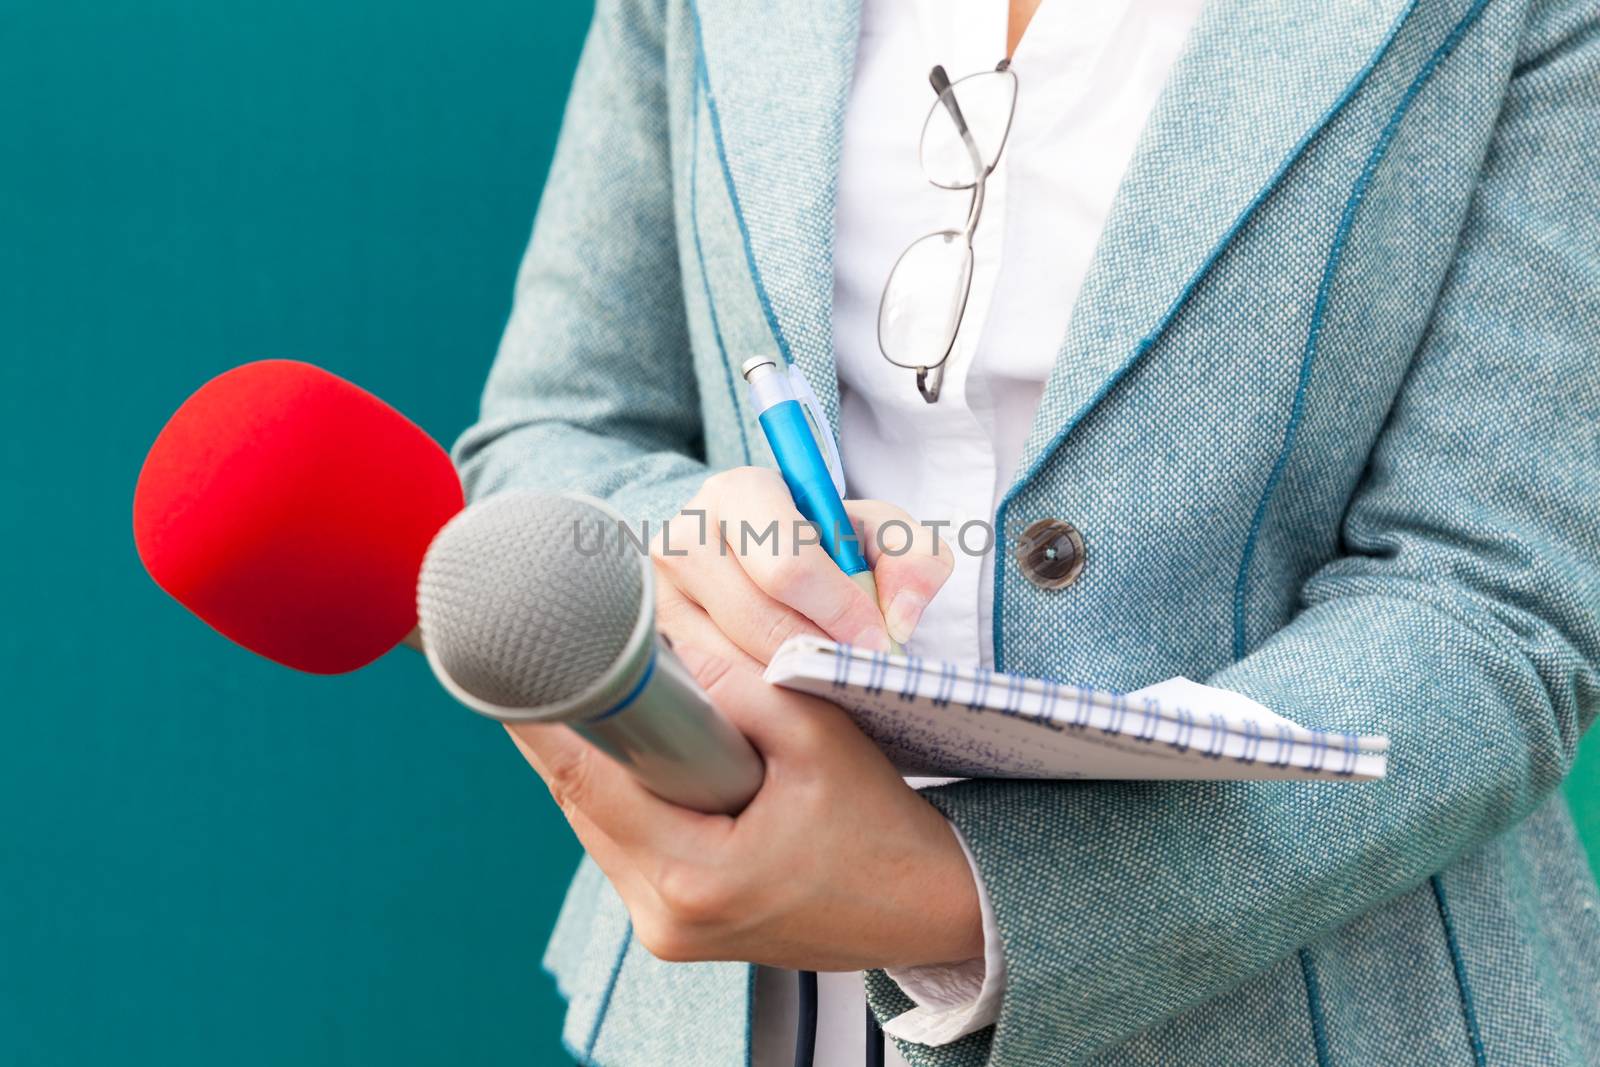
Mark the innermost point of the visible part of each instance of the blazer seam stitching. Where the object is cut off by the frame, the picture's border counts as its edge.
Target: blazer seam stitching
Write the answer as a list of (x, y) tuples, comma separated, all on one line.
[(1458, 963), (1330, 270), (700, 256), (1319, 1022), (750, 1015), (605, 994), (1148, 341), (704, 74)]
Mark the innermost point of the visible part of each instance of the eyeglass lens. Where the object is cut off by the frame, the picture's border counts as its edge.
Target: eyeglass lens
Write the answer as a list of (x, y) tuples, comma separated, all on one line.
[(985, 101), (926, 293)]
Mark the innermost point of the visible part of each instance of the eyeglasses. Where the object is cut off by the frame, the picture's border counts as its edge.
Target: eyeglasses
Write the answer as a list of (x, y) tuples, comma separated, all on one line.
[(926, 294)]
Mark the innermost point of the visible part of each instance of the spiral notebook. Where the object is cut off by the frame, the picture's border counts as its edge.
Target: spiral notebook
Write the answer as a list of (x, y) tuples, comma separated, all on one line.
[(934, 718)]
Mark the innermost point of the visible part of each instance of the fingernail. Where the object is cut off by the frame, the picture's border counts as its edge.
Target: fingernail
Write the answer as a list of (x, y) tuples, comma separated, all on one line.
[(905, 611), (873, 639)]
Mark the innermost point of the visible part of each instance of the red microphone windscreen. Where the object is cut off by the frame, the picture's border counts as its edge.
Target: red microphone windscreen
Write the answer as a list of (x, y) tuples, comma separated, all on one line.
[(290, 510)]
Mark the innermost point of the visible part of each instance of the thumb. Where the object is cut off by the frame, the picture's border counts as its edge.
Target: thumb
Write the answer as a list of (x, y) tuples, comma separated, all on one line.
[(910, 562)]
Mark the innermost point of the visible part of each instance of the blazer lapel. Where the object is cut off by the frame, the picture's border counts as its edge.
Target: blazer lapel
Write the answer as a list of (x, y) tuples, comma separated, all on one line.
[(776, 76), (1257, 79)]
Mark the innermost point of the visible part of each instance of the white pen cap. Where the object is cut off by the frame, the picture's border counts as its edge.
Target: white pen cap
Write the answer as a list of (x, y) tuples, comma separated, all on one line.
[(768, 385)]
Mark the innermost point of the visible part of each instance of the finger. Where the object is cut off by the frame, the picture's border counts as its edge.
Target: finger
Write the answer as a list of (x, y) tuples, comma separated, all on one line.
[(778, 722), (686, 624), (780, 552), (733, 605), (910, 562), (613, 862)]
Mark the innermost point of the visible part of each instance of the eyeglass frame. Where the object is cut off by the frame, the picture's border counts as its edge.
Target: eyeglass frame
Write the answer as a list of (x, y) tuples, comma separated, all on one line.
[(929, 384)]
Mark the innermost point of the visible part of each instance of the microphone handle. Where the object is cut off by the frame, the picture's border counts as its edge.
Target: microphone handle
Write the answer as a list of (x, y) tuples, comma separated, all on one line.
[(677, 744)]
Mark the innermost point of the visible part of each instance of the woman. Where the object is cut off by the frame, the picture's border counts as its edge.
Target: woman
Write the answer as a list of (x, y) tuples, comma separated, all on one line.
[(1280, 334)]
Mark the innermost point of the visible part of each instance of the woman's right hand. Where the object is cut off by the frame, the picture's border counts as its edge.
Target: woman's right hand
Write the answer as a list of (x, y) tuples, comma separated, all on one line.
[(729, 587)]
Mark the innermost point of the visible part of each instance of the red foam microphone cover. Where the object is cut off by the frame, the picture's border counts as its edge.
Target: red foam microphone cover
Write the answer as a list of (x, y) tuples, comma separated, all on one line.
[(290, 510)]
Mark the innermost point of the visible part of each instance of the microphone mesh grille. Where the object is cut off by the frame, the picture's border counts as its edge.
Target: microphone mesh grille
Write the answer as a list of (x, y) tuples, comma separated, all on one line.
[(527, 599)]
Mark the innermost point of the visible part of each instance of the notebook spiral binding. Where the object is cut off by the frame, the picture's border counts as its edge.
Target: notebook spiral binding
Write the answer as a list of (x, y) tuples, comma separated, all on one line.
[(1064, 708)]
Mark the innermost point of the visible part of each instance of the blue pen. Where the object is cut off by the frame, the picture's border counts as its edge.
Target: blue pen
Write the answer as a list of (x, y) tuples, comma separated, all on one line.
[(793, 435)]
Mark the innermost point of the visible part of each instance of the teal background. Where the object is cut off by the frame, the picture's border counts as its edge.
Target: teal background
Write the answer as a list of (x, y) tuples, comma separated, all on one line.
[(208, 859)]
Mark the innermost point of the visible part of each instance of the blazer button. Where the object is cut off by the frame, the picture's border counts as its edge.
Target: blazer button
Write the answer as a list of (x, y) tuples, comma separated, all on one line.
[(1050, 553)]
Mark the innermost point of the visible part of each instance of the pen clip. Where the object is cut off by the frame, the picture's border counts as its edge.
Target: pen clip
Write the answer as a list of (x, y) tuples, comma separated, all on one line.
[(801, 389)]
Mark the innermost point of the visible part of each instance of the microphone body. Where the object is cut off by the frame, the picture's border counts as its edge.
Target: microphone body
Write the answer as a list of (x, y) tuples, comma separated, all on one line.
[(522, 621)]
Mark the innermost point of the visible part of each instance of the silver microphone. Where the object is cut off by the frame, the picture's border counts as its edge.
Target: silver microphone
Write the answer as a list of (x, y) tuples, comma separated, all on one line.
[(539, 608)]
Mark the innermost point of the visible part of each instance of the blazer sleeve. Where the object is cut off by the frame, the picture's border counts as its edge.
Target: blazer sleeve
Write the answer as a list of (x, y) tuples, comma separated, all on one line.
[(1463, 619), (593, 387)]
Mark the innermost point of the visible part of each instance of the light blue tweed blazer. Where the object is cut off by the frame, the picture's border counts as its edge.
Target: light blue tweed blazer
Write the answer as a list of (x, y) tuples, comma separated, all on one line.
[(1328, 417)]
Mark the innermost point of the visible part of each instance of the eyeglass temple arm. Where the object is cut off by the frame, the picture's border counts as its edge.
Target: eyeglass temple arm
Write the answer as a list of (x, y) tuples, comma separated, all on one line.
[(941, 85)]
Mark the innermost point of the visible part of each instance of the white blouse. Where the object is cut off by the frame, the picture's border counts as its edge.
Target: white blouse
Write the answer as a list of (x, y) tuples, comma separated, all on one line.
[(1088, 75)]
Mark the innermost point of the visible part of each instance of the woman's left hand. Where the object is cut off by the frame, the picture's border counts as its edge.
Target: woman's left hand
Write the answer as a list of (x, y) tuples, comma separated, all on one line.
[(835, 865)]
